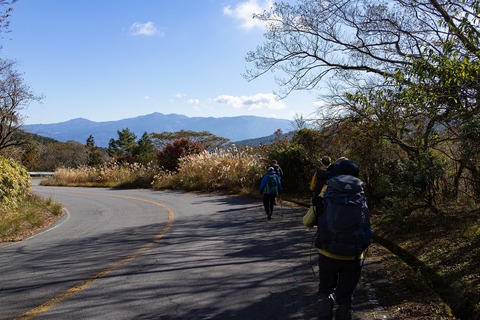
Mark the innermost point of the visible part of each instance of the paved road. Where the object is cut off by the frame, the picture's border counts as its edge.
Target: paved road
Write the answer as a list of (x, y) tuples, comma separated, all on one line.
[(142, 254)]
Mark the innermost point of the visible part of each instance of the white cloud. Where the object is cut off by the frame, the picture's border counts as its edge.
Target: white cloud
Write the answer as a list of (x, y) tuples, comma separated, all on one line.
[(319, 104), (193, 101), (257, 101), (177, 95), (244, 13), (144, 29)]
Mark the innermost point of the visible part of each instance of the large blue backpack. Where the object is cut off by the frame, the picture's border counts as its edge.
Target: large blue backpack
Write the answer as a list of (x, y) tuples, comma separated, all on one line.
[(344, 226), (271, 184)]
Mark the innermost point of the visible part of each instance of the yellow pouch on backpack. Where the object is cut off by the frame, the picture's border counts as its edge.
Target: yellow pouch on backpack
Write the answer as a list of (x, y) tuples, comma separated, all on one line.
[(310, 218)]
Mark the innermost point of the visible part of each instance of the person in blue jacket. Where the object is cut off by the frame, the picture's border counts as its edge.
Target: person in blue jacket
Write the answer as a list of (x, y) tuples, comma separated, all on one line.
[(270, 187)]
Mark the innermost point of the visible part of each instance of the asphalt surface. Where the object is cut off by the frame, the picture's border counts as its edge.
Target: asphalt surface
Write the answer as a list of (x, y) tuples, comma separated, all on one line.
[(141, 254)]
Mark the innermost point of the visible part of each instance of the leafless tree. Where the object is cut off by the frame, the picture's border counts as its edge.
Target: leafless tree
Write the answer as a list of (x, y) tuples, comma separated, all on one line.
[(6, 10), (354, 41), (15, 95)]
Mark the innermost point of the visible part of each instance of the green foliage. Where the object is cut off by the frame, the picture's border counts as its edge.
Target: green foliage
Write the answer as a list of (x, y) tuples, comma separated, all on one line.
[(14, 183), (130, 150), (124, 146), (69, 154), (44, 154), (145, 150), (471, 151), (299, 158), (297, 169), (94, 154), (32, 138), (315, 144)]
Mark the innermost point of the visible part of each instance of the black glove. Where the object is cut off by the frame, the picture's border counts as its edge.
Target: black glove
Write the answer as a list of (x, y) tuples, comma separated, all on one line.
[(317, 201)]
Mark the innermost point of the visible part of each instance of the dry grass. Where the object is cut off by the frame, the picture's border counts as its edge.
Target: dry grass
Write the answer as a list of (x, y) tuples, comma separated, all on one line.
[(230, 170), (108, 175), (401, 290), (31, 214), (445, 250)]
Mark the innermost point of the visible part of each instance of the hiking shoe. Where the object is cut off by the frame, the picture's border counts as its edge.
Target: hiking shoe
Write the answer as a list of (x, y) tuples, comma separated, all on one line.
[(325, 307), (344, 313)]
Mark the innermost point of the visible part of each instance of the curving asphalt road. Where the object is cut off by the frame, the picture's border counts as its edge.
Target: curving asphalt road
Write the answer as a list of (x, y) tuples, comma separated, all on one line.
[(143, 254)]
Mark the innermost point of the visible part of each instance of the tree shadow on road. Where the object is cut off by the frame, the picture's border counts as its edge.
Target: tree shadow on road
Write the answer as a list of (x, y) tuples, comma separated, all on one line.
[(231, 263)]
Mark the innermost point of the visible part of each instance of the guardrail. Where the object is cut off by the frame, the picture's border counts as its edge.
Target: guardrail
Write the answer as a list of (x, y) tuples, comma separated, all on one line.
[(41, 174)]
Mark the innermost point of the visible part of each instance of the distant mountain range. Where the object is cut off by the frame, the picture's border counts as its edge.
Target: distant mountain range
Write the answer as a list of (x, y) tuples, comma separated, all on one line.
[(234, 128)]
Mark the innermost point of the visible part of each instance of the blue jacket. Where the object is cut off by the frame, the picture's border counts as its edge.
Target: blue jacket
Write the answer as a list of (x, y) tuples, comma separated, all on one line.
[(264, 182)]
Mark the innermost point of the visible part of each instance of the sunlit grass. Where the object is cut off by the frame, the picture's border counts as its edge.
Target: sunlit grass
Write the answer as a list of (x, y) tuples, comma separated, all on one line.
[(31, 214), (108, 175), (230, 170)]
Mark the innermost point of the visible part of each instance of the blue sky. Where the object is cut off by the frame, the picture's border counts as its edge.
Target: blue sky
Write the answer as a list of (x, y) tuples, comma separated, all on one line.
[(106, 60)]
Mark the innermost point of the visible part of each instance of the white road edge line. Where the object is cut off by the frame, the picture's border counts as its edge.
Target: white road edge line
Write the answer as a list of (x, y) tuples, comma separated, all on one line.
[(40, 233)]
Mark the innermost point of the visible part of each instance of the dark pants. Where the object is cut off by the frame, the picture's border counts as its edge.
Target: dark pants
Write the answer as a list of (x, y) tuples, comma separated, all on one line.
[(339, 277), (269, 202)]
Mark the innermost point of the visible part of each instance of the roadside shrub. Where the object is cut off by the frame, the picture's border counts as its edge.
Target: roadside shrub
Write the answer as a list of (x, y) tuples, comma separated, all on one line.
[(108, 175), (297, 169), (169, 157), (15, 183), (229, 169)]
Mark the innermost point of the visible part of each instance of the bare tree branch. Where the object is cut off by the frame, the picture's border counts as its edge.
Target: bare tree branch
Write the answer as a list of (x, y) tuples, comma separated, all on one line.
[(15, 95), (312, 40)]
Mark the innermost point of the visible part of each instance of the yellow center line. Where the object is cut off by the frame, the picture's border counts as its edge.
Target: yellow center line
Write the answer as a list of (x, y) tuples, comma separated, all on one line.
[(44, 307)]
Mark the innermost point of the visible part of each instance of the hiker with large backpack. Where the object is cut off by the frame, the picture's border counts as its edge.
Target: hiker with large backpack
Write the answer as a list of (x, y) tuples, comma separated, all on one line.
[(320, 176), (318, 181), (344, 233), (276, 167), (270, 187)]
